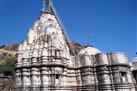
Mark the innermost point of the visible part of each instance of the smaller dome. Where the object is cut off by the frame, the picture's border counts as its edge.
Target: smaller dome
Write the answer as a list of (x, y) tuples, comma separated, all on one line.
[(89, 51), (134, 60), (134, 63)]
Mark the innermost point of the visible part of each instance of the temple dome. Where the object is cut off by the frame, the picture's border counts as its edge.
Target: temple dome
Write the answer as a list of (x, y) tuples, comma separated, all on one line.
[(134, 60), (134, 63), (89, 50)]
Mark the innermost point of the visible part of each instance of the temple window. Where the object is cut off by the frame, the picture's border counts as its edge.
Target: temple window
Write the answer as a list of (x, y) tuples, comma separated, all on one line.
[(57, 76), (58, 53), (57, 79), (124, 77)]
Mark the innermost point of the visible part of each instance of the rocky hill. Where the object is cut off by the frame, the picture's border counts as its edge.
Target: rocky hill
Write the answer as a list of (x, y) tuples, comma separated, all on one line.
[(12, 47), (7, 52), (7, 64)]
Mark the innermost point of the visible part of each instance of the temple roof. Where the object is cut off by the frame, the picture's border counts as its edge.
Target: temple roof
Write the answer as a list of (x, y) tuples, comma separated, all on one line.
[(89, 51)]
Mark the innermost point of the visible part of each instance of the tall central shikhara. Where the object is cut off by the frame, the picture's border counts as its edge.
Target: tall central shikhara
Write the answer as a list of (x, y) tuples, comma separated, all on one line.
[(43, 52), (45, 63)]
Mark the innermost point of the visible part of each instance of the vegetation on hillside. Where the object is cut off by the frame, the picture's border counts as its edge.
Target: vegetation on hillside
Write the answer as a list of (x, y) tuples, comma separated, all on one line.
[(7, 68)]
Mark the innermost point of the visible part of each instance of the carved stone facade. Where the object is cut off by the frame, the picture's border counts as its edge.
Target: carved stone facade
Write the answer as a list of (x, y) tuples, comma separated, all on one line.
[(45, 63), (134, 69)]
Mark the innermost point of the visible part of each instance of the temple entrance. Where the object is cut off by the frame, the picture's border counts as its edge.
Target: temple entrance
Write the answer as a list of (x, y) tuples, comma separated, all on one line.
[(124, 77), (57, 79)]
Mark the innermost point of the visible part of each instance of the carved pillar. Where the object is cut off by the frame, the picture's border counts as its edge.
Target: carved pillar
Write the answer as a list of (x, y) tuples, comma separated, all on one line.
[(116, 78), (130, 80), (78, 78), (45, 56), (35, 57), (18, 80), (26, 79), (35, 78), (64, 78), (25, 59), (34, 60), (104, 80), (19, 60), (87, 78), (44, 78)]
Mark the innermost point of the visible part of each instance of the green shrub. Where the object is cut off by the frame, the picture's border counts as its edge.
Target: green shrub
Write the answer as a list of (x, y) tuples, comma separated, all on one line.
[(7, 68)]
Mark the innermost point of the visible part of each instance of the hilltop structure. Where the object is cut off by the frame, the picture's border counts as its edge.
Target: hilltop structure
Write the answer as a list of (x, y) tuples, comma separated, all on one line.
[(47, 62)]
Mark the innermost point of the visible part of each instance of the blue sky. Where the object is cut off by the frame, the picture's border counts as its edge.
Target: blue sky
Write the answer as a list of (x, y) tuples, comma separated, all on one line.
[(110, 24)]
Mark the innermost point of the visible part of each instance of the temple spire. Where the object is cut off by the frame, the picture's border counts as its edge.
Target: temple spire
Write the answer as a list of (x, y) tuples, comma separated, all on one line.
[(46, 5)]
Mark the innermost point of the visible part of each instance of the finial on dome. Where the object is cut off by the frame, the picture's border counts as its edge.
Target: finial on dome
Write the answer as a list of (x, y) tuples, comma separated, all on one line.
[(89, 43)]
